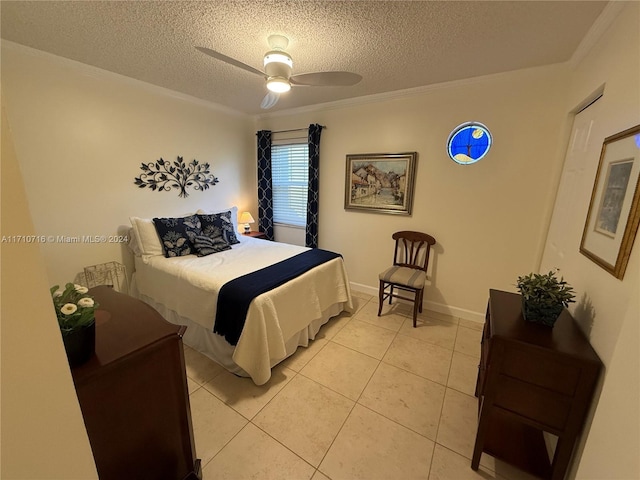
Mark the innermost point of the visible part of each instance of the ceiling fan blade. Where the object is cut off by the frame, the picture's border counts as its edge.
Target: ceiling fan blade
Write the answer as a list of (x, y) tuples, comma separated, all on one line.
[(269, 100), (326, 79), (229, 60)]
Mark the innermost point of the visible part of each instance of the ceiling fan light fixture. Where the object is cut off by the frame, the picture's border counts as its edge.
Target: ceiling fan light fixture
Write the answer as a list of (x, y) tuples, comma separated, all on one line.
[(276, 56), (278, 84), (277, 66)]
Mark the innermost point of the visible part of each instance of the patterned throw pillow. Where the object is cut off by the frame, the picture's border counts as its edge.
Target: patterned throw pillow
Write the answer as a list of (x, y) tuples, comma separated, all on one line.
[(205, 245), (219, 225), (173, 234)]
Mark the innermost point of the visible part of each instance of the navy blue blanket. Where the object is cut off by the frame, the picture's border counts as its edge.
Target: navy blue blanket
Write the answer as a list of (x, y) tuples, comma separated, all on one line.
[(236, 295)]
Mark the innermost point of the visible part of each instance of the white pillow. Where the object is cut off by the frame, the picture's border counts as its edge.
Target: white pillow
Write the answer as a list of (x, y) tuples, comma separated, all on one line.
[(148, 240)]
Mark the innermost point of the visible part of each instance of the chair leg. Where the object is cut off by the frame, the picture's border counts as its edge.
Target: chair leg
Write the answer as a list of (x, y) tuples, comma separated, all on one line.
[(415, 310), (390, 293), (421, 300), (380, 297)]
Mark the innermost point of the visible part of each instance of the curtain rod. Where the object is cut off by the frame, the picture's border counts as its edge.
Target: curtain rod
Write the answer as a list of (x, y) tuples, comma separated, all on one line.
[(295, 130)]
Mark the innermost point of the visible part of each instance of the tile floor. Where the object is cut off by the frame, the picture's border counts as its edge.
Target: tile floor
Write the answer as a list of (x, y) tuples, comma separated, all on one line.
[(370, 398)]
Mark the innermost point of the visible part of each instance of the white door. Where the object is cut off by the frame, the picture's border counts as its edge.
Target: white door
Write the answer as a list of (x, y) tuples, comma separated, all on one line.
[(574, 191)]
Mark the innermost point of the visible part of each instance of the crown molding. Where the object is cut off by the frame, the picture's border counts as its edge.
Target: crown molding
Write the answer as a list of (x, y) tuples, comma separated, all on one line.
[(602, 23), (99, 73), (409, 92)]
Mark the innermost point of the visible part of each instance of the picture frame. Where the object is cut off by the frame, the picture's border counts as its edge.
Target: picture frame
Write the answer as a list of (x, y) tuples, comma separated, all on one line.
[(614, 210), (380, 182)]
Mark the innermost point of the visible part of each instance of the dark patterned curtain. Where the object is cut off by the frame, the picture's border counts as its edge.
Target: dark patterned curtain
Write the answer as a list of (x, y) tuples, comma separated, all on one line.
[(265, 190), (311, 237)]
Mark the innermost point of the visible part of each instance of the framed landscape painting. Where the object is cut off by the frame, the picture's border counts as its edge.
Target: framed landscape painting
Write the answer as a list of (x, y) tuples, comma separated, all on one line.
[(614, 211), (380, 182)]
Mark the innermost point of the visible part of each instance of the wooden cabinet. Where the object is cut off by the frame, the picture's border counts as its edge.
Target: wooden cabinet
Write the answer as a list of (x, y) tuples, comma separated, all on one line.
[(532, 379), (133, 393)]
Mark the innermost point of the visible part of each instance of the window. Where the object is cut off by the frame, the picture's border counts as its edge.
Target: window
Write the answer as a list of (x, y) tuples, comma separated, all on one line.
[(290, 181), (469, 143)]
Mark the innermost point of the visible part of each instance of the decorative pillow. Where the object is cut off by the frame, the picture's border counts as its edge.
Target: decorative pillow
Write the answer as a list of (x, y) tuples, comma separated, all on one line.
[(173, 234), (219, 225), (205, 245), (146, 236), (233, 210)]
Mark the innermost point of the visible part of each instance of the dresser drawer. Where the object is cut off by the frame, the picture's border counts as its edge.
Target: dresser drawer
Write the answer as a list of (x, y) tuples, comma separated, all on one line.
[(482, 374), (532, 402), (540, 370), (482, 366)]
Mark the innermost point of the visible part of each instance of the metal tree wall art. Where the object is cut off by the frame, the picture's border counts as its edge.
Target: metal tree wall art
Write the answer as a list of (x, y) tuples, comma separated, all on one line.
[(163, 176)]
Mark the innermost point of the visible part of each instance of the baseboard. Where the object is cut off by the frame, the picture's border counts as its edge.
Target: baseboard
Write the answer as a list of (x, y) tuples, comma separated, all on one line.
[(358, 287), (429, 305), (454, 311)]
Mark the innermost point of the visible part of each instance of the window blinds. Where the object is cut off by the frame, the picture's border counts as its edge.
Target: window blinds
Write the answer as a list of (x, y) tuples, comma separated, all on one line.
[(290, 174)]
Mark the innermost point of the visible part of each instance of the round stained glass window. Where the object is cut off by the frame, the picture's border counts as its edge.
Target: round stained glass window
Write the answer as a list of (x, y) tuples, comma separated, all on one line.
[(469, 143)]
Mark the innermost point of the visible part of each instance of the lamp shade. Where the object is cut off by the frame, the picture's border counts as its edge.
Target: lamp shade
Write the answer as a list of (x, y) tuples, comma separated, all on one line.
[(245, 217)]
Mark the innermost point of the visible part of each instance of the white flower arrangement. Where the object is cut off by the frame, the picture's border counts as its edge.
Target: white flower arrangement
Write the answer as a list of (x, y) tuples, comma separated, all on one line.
[(74, 307)]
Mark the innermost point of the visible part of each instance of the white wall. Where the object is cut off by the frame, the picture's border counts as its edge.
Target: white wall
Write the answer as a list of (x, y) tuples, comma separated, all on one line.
[(43, 434), (608, 309), (489, 219), (81, 135)]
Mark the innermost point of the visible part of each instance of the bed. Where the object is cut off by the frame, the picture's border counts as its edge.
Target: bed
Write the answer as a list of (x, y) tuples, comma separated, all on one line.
[(185, 291)]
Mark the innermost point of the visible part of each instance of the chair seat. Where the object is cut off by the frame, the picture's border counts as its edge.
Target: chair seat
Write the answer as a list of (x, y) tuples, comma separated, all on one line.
[(409, 277)]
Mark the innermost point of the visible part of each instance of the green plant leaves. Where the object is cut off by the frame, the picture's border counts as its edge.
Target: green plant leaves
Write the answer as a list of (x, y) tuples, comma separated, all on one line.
[(545, 289)]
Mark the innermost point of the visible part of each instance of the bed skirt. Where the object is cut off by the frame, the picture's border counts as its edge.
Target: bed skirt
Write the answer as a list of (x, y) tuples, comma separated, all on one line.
[(220, 351)]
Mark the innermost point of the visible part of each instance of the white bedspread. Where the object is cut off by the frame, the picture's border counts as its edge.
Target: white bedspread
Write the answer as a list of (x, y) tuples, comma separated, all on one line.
[(189, 286)]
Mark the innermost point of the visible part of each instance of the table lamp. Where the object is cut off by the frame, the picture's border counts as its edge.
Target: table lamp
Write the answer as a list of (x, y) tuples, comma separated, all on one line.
[(246, 218)]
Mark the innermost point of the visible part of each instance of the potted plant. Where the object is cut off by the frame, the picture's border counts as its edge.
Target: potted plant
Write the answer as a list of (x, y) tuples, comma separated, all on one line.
[(75, 310), (544, 296)]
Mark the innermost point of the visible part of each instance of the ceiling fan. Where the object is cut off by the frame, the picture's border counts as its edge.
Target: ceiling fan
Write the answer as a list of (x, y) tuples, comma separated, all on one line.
[(277, 71)]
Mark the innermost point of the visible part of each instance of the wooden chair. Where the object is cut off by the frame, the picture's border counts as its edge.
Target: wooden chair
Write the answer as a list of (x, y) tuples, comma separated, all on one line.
[(409, 270)]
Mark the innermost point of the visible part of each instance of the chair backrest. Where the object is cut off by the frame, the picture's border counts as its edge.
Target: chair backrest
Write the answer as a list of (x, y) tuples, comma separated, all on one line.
[(412, 249)]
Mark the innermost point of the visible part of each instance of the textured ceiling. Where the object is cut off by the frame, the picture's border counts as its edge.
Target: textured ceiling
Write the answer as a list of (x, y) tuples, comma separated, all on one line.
[(394, 45)]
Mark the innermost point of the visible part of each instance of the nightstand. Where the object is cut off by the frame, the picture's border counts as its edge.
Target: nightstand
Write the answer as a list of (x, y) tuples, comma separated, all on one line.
[(256, 235)]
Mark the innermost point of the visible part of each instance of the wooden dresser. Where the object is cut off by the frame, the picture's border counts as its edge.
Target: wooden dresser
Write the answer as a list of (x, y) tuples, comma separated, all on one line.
[(133, 393), (532, 379)]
